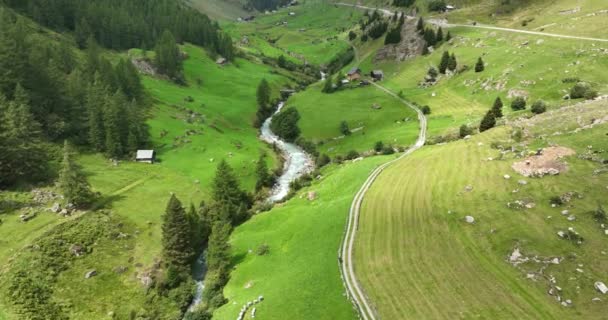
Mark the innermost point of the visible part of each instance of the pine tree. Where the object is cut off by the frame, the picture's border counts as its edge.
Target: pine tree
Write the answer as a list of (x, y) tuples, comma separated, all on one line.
[(95, 101), (488, 121), (218, 264), (420, 25), (448, 37), (328, 86), (497, 108), (479, 66), (344, 129), (452, 64), (230, 200), (72, 181), (445, 60), (429, 36), (168, 58), (21, 153), (176, 236), (113, 120), (439, 34), (263, 93), (263, 177)]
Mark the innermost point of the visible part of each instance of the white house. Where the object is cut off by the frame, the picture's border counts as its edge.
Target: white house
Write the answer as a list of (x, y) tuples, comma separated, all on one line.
[(146, 156)]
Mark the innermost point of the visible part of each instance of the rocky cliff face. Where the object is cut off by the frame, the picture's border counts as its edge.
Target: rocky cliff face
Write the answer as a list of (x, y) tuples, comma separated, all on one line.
[(411, 45)]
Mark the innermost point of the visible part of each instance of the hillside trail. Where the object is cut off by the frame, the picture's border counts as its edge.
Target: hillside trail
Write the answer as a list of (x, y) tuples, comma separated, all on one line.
[(345, 255), (444, 24)]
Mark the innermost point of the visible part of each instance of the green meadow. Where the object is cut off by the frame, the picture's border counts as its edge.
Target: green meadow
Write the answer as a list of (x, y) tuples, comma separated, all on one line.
[(393, 124), (192, 128), (316, 33), (299, 277), (532, 64)]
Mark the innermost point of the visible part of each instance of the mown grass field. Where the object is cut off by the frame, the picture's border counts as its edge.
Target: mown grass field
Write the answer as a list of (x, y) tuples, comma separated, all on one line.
[(321, 114), (137, 193), (417, 258), (299, 277), (316, 33)]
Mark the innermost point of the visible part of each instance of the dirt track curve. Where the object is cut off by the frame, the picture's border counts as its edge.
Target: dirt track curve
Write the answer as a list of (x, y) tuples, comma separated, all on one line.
[(445, 24), (346, 251)]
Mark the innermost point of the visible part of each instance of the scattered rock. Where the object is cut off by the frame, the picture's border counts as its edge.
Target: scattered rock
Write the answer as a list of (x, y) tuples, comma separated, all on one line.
[(469, 219), (565, 212), (522, 182), (312, 195), (121, 269), (506, 176), (56, 207), (77, 250), (468, 188), (571, 218), (555, 261), (601, 287), (90, 274)]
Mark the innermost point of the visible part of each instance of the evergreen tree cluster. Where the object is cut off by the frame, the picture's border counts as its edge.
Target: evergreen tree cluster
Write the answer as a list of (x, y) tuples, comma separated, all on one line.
[(265, 108), (489, 120), (285, 124), (125, 24), (186, 233), (403, 3), (448, 62), (432, 37), (168, 58), (263, 5), (49, 94)]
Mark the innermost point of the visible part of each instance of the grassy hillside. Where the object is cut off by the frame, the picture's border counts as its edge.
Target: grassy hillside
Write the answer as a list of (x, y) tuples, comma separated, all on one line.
[(299, 277), (530, 64), (189, 148), (322, 114), (316, 33), (228, 10), (416, 255)]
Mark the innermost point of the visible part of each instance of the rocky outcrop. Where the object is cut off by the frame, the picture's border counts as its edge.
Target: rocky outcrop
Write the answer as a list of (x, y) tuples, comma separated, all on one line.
[(411, 45)]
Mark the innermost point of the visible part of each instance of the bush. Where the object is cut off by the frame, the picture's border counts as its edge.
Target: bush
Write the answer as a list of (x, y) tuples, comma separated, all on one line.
[(582, 90), (344, 129), (465, 131), (599, 214), (323, 160), (519, 103), (556, 200), (488, 121), (479, 66), (539, 107), (353, 154), (263, 249), (378, 146), (388, 150), (352, 36), (425, 109), (285, 124), (437, 5)]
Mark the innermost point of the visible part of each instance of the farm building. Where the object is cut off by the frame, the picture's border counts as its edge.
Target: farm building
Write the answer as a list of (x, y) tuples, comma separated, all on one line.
[(354, 74), (377, 75), (146, 156)]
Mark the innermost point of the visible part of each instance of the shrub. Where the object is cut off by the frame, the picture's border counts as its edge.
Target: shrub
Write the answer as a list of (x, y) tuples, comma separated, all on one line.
[(599, 214), (352, 36), (437, 5), (556, 200), (479, 66), (582, 90), (519, 103), (344, 129), (353, 154), (285, 125), (388, 150), (426, 109), (539, 107), (378, 146), (323, 160), (465, 131), (262, 249)]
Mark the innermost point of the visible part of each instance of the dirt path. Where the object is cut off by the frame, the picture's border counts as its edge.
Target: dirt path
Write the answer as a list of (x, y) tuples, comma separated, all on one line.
[(351, 283), (445, 24)]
